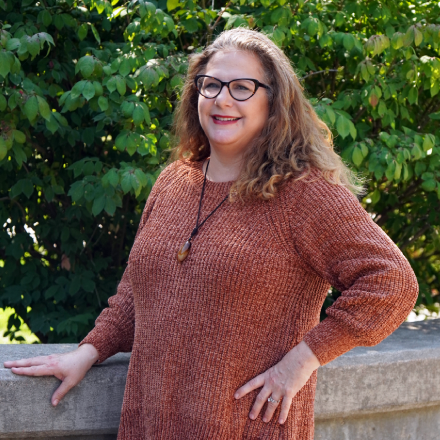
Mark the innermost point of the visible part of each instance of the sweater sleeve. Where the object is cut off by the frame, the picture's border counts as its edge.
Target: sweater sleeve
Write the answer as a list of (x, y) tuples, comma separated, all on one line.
[(338, 240), (114, 327)]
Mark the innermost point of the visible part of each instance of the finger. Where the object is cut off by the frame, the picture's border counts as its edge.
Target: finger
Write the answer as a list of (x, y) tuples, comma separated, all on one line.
[(256, 382), (40, 370), (259, 402), (25, 362), (271, 407), (285, 407), (61, 391)]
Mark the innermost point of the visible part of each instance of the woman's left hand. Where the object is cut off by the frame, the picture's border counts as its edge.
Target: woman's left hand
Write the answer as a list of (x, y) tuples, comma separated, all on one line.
[(282, 381)]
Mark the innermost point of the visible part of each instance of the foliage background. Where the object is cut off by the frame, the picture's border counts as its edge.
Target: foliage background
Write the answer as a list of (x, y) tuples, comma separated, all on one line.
[(87, 91)]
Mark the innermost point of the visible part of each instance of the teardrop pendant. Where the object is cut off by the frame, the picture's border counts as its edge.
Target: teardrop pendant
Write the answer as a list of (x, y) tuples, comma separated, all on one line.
[(184, 251)]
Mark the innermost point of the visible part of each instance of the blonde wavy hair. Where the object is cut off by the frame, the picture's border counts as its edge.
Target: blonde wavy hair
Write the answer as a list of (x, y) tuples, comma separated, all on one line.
[(294, 139)]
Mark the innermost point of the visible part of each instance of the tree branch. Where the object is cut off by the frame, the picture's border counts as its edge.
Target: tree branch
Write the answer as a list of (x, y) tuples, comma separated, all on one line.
[(410, 241), (319, 71)]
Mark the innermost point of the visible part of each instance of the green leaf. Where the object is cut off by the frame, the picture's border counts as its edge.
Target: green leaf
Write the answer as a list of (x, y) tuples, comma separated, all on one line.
[(343, 126), (435, 116), (375, 196), (13, 44), (75, 285), (113, 178), (96, 34), (148, 76), (125, 68), (31, 108), (121, 85), (413, 95), (103, 103), (33, 45), (16, 189), (391, 170), (405, 172), (5, 65), (98, 205), (357, 156), (77, 89), (52, 124), (87, 66), (98, 88), (46, 17), (416, 152), (397, 171), (27, 187), (146, 112), (126, 183), (191, 25), (121, 140), (176, 81), (428, 142), (418, 37), (348, 41), (43, 106), (172, 4), (111, 84), (138, 115), (87, 284), (82, 31), (429, 185), (141, 176), (88, 91), (110, 206), (19, 136), (76, 191)]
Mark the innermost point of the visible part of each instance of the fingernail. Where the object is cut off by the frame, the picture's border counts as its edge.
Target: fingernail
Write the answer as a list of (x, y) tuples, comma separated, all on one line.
[(252, 416), (281, 421), (236, 396), (55, 402), (265, 420)]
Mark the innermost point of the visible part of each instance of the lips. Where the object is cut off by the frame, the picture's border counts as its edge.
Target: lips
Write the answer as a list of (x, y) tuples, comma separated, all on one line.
[(222, 119)]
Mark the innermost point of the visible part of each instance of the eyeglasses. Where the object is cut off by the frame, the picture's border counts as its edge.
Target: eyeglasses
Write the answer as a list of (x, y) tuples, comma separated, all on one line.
[(240, 89)]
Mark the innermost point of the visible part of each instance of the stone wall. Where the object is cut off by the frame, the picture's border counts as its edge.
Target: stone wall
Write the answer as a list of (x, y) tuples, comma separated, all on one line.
[(387, 392)]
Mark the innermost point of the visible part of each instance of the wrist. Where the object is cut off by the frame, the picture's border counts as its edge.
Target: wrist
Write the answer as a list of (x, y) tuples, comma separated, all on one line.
[(90, 352), (309, 358)]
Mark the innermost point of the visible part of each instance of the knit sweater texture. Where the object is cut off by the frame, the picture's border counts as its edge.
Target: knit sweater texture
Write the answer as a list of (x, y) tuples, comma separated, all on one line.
[(250, 290)]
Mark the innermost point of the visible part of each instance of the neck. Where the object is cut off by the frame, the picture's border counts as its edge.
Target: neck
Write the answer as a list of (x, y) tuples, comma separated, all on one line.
[(221, 168)]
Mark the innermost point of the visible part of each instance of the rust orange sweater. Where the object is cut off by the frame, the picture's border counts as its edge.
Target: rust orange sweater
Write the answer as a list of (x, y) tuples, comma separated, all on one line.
[(250, 290)]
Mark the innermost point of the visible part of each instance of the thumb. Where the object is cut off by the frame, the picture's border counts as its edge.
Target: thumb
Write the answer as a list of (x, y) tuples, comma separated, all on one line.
[(61, 391)]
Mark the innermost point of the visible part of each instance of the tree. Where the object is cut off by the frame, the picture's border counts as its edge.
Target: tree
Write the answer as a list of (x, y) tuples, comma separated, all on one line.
[(87, 92)]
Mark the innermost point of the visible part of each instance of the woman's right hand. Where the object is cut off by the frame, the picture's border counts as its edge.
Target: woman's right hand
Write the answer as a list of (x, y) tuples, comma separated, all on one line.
[(69, 367)]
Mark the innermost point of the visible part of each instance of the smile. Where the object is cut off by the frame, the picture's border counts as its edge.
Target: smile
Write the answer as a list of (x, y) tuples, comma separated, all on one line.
[(225, 119)]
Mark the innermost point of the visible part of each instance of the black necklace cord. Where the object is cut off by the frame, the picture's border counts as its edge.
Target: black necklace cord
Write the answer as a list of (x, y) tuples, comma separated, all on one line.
[(196, 229)]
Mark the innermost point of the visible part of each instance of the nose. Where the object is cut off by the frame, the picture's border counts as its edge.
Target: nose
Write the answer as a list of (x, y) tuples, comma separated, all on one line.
[(224, 99)]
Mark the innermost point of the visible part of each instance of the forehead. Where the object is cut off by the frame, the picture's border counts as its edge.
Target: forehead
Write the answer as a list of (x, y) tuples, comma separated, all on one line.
[(231, 64)]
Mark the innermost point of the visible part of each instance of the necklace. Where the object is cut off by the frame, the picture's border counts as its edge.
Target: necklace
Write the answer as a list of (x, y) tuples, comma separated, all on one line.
[(186, 247)]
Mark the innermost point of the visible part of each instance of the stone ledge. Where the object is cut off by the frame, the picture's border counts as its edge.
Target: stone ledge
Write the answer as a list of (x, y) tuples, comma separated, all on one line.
[(389, 391)]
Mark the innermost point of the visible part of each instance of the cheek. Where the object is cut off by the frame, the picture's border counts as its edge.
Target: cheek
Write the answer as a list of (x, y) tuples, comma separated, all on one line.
[(203, 111), (259, 117)]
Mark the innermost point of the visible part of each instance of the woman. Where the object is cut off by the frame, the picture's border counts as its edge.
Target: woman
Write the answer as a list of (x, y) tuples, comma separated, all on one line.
[(239, 242)]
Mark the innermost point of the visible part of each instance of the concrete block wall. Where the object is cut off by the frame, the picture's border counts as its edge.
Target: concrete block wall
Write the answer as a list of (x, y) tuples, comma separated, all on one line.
[(387, 392)]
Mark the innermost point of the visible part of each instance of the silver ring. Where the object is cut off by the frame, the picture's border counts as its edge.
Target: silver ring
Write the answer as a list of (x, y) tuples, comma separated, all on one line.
[(271, 400)]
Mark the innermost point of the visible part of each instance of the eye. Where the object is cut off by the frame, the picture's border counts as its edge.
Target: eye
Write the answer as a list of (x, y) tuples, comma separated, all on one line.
[(211, 85), (243, 86)]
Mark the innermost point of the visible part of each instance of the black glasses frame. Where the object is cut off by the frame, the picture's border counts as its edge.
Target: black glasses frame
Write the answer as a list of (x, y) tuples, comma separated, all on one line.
[(226, 83)]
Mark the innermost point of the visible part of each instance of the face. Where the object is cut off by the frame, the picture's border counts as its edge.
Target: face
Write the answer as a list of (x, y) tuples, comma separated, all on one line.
[(232, 137)]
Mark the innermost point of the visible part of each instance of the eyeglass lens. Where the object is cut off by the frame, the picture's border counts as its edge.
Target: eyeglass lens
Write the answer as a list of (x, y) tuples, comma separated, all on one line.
[(240, 89)]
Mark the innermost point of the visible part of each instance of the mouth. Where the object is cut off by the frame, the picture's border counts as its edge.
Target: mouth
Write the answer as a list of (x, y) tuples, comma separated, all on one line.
[(218, 118)]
